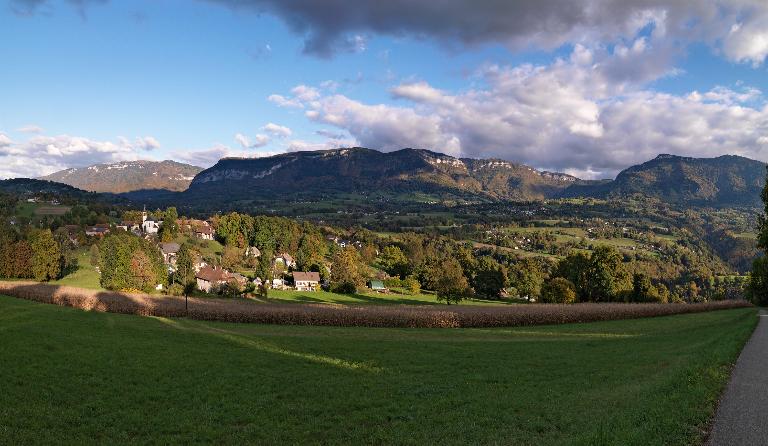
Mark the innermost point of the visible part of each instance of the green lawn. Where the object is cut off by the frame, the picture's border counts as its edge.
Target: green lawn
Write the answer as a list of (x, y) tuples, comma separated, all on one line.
[(85, 377), (86, 275)]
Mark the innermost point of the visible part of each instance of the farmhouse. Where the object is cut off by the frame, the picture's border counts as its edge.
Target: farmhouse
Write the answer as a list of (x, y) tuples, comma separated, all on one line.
[(99, 230), (170, 251), (252, 252), (204, 232), (306, 281), (210, 278), (286, 259)]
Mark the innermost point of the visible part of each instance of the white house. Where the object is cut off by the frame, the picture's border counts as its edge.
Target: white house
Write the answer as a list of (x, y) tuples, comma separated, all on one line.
[(151, 226), (306, 281), (286, 259)]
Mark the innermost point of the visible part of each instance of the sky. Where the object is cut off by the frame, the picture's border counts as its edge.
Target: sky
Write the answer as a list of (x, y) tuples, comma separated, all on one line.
[(583, 87)]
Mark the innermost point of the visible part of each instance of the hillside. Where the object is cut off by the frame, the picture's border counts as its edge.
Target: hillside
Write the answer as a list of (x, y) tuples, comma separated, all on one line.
[(29, 188), (366, 171), (727, 180), (128, 176)]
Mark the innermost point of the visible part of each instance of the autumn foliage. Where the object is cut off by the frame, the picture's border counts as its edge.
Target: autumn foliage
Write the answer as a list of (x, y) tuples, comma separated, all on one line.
[(351, 316)]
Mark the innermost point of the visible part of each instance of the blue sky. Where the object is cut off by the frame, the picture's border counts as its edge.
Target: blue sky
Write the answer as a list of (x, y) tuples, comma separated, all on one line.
[(91, 81)]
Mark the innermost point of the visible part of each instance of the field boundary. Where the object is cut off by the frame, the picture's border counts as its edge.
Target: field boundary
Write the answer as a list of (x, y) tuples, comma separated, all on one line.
[(400, 316)]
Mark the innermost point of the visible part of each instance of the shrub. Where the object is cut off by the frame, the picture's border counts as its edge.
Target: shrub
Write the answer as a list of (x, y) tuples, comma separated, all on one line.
[(558, 291)]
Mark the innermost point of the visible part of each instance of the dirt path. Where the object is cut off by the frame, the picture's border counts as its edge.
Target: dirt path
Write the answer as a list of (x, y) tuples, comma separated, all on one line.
[(742, 418)]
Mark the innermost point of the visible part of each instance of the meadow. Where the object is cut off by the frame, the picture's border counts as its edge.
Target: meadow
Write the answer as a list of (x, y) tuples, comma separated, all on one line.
[(89, 377)]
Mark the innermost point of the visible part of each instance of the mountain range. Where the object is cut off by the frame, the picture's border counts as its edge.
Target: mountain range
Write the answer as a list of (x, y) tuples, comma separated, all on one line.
[(723, 181), (128, 176)]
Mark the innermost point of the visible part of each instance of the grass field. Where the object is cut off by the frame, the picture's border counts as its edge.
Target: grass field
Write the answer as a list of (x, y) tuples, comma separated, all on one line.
[(86, 377), (86, 275)]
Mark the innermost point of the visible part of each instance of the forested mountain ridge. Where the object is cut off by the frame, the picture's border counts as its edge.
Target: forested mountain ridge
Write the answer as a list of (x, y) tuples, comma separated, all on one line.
[(128, 176), (724, 181)]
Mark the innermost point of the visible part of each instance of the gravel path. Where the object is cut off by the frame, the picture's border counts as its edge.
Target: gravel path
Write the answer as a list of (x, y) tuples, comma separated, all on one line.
[(742, 418)]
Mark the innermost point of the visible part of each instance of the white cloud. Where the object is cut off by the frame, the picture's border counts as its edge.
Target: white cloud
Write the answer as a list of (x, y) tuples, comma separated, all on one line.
[(573, 115), (259, 140), (282, 101), (277, 130), (147, 143), (31, 128), (41, 155), (5, 141), (210, 156)]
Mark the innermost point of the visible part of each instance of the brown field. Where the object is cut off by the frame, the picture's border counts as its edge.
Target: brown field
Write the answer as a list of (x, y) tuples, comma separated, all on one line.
[(240, 310), (52, 210)]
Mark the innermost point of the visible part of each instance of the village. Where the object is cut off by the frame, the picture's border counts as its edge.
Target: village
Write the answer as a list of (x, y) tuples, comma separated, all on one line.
[(210, 276)]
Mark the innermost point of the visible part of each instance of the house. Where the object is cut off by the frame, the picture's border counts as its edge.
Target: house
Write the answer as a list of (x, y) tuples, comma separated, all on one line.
[(211, 278), (129, 226), (306, 281), (253, 252), (286, 259), (99, 230), (151, 226), (378, 286), (170, 251), (204, 232)]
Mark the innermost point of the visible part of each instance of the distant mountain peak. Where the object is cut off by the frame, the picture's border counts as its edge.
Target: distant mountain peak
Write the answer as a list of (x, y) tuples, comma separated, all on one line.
[(128, 176)]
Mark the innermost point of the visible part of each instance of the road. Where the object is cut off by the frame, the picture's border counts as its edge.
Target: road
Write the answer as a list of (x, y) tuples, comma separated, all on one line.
[(742, 417)]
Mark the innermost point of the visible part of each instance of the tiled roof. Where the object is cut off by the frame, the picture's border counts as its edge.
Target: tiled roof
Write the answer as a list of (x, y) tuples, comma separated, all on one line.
[(311, 276)]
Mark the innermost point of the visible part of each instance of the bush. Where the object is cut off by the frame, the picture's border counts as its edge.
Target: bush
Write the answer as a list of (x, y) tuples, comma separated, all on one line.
[(344, 288), (558, 291)]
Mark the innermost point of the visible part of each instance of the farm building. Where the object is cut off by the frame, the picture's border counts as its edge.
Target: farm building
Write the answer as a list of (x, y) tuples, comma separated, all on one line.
[(306, 281)]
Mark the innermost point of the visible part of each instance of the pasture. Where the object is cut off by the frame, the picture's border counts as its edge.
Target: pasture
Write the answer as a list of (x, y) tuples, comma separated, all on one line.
[(91, 377)]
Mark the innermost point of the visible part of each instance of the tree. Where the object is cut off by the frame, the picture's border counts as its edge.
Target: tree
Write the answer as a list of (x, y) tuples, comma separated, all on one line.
[(232, 258), (46, 258), (757, 289), (185, 269), (345, 273), (170, 228), (394, 262), (450, 285), (528, 278), (411, 285), (558, 291), (575, 268), (606, 277), (490, 278), (143, 273), (95, 256)]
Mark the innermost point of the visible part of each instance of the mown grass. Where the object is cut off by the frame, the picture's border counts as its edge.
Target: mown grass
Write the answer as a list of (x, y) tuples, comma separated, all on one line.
[(86, 275), (86, 377)]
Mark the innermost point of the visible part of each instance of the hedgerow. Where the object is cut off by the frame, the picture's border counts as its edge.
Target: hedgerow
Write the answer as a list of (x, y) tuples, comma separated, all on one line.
[(229, 310)]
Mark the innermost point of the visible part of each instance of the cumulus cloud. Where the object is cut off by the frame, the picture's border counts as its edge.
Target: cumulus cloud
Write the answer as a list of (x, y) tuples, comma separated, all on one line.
[(5, 141), (259, 140), (277, 130), (739, 27), (573, 115), (41, 155)]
